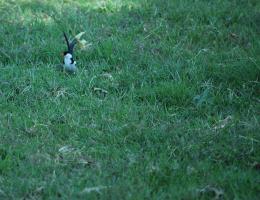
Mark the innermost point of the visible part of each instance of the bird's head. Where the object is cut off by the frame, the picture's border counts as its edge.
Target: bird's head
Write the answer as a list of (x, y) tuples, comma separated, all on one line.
[(64, 53)]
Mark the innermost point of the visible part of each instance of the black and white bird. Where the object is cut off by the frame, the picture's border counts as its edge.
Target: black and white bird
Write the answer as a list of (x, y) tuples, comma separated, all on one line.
[(69, 64)]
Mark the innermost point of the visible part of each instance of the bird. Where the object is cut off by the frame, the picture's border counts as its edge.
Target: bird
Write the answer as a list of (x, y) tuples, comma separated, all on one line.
[(69, 64)]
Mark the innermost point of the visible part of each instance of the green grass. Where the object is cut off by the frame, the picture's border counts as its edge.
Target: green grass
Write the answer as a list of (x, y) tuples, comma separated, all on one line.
[(176, 115)]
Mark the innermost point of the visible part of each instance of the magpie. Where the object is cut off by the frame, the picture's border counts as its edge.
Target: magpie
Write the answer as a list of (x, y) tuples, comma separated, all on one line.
[(69, 64)]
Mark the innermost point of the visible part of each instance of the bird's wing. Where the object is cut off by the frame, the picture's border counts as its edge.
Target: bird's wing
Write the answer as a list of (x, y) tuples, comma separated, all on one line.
[(71, 45)]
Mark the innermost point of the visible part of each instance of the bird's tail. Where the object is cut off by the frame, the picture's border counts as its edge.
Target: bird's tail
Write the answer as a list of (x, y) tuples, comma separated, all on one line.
[(70, 45), (66, 39)]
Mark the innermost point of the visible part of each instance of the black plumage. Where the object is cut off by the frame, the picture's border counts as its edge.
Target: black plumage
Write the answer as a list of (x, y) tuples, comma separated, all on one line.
[(72, 61), (70, 45)]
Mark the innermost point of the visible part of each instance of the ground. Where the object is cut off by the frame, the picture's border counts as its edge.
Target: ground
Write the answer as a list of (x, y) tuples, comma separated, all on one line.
[(165, 103)]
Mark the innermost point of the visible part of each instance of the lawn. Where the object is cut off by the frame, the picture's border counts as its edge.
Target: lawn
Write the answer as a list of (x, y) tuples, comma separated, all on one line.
[(164, 105)]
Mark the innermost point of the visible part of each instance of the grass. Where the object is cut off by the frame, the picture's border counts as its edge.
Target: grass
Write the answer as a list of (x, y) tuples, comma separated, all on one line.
[(165, 104)]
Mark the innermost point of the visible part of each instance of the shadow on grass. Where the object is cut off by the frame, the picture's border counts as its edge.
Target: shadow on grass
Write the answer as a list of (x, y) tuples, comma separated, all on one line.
[(153, 42)]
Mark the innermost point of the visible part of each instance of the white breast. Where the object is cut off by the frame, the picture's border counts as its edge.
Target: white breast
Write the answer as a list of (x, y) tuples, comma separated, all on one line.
[(67, 63)]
